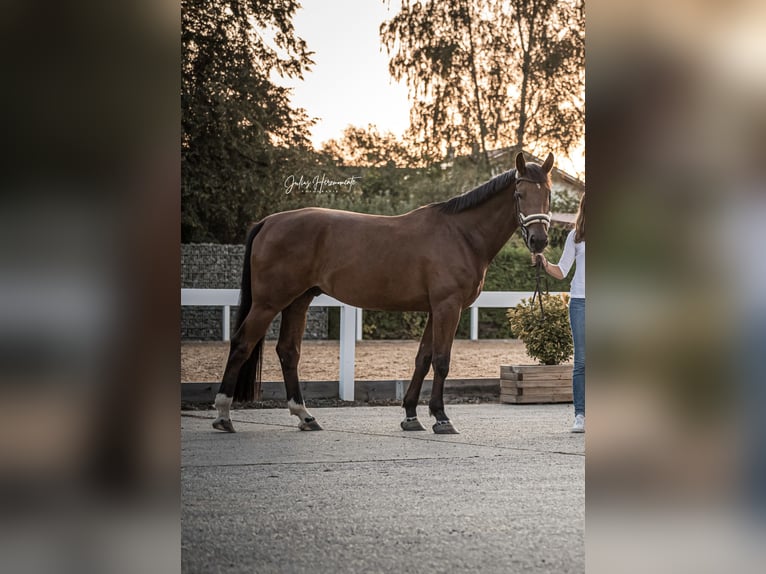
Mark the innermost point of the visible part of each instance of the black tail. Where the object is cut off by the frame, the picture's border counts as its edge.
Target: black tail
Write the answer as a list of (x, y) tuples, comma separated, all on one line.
[(249, 379)]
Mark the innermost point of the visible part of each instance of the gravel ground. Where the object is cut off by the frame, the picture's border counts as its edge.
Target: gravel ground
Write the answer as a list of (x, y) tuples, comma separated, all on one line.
[(375, 360)]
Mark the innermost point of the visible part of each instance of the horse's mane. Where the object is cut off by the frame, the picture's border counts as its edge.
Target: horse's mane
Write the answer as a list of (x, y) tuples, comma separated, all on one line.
[(485, 191)]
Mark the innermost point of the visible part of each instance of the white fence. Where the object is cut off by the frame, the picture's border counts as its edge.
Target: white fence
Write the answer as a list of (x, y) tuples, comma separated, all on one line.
[(350, 321)]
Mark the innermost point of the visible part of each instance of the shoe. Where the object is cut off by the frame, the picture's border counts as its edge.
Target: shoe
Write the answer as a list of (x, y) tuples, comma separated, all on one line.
[(579, 424)]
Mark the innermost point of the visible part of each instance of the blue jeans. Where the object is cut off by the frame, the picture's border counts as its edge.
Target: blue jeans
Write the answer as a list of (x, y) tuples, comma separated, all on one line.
[(577, 322)]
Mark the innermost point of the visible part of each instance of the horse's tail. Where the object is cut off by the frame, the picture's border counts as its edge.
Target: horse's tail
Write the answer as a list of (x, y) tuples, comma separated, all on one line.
[(249, 380)]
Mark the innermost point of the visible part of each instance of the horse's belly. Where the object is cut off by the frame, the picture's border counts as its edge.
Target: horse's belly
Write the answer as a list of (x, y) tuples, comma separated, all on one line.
[(380, 304), (378, 291)]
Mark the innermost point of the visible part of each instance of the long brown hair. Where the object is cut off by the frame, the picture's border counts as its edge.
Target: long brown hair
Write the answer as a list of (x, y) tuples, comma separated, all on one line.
[(580, 224)]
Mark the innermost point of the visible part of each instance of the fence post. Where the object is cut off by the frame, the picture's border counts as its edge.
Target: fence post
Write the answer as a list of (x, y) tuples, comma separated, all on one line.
[(474, 323), (359, 322), (226, 319), (347, 351)]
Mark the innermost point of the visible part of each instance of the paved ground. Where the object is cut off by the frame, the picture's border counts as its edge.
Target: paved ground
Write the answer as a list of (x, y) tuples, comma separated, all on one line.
[(507, 495)]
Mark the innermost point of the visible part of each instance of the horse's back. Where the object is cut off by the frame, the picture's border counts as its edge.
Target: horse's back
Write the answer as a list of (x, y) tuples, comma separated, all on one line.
[(339, 229)]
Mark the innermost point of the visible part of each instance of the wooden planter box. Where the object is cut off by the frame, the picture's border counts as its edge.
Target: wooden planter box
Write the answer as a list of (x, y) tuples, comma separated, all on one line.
[(526, 384)]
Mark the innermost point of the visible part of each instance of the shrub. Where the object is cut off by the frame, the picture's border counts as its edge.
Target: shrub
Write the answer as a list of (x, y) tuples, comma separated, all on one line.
[(548, 340), (391, 325)]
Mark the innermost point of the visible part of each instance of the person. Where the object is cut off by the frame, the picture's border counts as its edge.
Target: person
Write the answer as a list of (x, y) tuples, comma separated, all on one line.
[(574, 252)]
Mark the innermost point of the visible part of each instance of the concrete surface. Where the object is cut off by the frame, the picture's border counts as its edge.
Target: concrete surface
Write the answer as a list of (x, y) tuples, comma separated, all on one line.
[(507, 495)]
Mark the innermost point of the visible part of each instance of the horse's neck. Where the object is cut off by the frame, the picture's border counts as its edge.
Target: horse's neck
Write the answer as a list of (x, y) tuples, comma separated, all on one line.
[(490, 225)]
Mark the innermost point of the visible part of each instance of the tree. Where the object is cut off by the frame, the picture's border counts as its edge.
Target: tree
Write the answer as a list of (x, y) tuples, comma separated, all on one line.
[(383, 163), (484, 74), (238, 125), (369, 148), (548, 37)]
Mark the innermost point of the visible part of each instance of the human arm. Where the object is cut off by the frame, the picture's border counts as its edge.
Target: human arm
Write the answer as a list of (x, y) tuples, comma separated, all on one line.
[(550, 268), (560, 270)]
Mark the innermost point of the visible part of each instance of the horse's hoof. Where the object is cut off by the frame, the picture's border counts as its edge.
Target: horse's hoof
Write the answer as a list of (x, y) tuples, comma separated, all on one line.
[(444, 427), (223, 424), (412, 425), (310, 425)]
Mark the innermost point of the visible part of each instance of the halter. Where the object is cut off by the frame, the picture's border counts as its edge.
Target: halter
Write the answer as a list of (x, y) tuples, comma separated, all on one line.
[(525, 220)]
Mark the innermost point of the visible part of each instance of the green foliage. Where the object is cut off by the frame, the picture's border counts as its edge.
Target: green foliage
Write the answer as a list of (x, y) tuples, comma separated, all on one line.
[(512, 269), (405, 325), (565, 201), (384, 325), (389, 189), (557, 237), (239, 131), (368, 147), (548, 340)]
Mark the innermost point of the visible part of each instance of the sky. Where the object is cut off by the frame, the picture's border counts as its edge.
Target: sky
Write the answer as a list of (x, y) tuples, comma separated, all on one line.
[(350, 83)]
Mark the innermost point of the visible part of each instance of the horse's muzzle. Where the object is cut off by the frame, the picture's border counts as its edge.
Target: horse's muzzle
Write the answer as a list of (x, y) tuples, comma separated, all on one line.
[(537, 242)]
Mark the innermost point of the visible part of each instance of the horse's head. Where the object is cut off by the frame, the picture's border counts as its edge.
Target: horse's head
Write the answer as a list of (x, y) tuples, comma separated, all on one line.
[(533, 201)]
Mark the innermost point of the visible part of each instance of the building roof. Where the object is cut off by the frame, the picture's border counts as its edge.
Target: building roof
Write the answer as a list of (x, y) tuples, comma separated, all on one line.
[(497, 154), (565, 219)]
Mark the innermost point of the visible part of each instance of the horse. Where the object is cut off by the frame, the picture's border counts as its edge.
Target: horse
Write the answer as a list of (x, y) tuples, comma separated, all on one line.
[(432, 259)]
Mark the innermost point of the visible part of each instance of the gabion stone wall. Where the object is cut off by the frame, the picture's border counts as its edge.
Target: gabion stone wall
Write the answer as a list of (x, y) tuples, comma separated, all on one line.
[(213, 266)]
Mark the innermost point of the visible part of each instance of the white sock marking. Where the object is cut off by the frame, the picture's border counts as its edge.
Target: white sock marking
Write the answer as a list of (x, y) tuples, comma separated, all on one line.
[(223, 403), (299, 410)]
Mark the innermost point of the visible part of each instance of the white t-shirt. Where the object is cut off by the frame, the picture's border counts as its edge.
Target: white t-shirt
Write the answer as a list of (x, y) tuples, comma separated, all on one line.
[(574, 253)]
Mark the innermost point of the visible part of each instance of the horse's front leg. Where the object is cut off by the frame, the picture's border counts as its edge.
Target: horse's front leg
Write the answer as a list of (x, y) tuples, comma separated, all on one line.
[(422, 366), (445, 318)]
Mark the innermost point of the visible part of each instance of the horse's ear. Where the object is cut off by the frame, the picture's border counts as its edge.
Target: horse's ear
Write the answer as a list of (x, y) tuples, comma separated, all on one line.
[(521, 165), (548, 163)]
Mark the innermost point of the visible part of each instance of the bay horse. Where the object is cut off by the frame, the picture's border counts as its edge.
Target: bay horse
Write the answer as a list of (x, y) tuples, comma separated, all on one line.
[(430, 259)]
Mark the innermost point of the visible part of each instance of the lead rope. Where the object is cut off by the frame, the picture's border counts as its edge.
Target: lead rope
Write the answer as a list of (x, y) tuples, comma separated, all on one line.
[(538, 290)]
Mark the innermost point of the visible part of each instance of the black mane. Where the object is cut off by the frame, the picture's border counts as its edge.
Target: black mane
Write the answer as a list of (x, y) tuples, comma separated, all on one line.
[(485, 191), (478, 195)]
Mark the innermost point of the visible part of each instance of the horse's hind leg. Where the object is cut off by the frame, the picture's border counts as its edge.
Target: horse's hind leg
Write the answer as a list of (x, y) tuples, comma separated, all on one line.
[(289, 351), (446, 317), (422, 366), (243, 342)]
